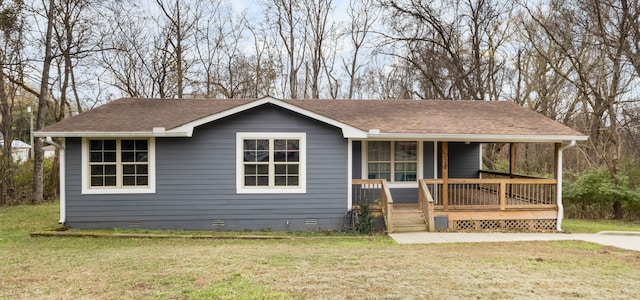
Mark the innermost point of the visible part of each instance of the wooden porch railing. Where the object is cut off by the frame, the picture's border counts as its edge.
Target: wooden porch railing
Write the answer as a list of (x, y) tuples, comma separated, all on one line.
[(369, 191), (425, 203), (493, 193), (486, 174)]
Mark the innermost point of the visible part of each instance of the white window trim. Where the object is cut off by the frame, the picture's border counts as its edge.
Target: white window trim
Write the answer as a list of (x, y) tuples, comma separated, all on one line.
[(86, 177), (302, 179), (420, 162)]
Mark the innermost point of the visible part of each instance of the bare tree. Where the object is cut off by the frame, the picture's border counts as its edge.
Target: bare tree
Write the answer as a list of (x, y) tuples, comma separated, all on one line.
[(318, 29), (593, 36), (224, 68), (76, 41), (286, 19), (151, 51), (141, 64), (181, 19), (11, 47), (630, 11), (453, 46), (363, 16), (38, 195), (264, 68)]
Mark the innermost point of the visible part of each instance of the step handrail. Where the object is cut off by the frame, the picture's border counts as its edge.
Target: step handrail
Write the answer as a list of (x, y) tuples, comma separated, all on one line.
[(425, 203), (387, 205), (385, 200)]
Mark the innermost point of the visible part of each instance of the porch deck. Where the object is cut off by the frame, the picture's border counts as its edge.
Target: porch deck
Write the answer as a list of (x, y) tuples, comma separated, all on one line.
[(471, 204)]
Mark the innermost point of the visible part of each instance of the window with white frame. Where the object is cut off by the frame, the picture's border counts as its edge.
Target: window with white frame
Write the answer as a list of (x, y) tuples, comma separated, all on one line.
[(113, 165), (395, 161), (271, 162)]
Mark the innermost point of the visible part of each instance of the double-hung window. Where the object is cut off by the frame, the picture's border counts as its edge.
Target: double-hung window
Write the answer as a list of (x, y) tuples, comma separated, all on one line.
[(118, 166), (271, 163), (394, 161)]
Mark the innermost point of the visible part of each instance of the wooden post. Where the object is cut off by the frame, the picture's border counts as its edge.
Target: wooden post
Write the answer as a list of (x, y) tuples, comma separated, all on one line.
[(503, 197), (555, 160), (512, 165), (432, 225), (445, 175), (512, 159)]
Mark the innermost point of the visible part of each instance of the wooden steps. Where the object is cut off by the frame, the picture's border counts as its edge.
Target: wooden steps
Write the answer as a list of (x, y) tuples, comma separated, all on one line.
[(408, 218)]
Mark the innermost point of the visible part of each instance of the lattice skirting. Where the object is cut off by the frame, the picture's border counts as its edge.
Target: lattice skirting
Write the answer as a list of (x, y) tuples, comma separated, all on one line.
[(510, 225)]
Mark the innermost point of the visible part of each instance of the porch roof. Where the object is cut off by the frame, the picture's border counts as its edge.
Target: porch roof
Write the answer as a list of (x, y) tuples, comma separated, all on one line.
[(473, 121)]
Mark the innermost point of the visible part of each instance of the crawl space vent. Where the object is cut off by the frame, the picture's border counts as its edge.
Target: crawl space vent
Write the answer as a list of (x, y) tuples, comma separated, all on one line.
[(134, 224), (217, 223), (310, 221)]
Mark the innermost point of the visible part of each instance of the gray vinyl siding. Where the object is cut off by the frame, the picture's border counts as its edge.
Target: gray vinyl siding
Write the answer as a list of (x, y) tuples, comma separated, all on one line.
[(404, 195), (196, 182), (427, 159), (464, 160), (356, 161)]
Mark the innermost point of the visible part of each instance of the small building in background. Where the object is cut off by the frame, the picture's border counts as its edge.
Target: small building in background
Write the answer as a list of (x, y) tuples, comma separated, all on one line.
[(19, 150), (49, 151)]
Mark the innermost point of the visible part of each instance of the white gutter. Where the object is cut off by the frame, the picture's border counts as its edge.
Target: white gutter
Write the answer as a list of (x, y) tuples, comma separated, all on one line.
[(154, 133), (559, 185), (63, 191), (477, 137)]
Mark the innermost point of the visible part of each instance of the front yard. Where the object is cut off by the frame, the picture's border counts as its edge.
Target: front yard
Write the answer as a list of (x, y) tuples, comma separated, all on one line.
[(302, 267)]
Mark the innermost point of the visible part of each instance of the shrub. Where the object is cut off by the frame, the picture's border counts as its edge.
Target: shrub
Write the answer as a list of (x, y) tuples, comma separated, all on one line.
[(365, 219), (593, 194), (22, 178)]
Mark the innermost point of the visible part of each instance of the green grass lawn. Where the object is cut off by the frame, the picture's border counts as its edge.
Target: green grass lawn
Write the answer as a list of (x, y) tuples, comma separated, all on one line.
[(595, 226), (306, 266)]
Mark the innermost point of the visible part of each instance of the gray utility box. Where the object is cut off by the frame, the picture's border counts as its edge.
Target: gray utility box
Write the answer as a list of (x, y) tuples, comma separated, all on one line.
[(441, 222)]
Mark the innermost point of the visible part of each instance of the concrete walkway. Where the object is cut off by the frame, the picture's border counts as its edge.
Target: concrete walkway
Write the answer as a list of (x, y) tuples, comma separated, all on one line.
[(619, 239)]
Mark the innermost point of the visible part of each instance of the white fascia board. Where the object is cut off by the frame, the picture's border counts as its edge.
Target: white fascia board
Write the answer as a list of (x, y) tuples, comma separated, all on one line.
[(347, 131), (113, 134), (480, 137)]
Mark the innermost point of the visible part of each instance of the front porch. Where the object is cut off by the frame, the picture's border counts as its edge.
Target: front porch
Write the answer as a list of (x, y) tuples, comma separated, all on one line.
[(452, 193), (493, 202)]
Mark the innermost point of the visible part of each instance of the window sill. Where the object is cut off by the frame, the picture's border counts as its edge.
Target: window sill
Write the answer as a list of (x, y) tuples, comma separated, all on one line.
[(271, 191), (103, 191)]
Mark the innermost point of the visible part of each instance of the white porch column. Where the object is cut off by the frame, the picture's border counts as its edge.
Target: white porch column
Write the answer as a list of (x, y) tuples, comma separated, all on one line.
[(559, 184), (349, 174)]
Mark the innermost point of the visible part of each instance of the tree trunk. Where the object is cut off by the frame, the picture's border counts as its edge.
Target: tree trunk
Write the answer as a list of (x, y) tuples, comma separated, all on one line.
[(618, 212), (37, 184), (6, 172)]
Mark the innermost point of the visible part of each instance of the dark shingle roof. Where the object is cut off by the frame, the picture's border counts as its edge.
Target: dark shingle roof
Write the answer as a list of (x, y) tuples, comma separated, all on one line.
[(422, 117), (438, 117), (137, 115)]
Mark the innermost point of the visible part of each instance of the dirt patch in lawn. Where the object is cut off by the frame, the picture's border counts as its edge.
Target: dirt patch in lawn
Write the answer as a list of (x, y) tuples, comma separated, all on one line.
[(330, 268)]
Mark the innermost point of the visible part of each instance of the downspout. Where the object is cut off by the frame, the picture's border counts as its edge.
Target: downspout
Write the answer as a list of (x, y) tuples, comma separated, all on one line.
[(63, 202), (559, 184), (50, 141), (349, 174)]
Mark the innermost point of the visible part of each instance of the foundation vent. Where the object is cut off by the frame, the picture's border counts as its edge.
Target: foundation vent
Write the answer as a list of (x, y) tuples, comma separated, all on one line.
[(217, 223), (134, 224), (311, 222)]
